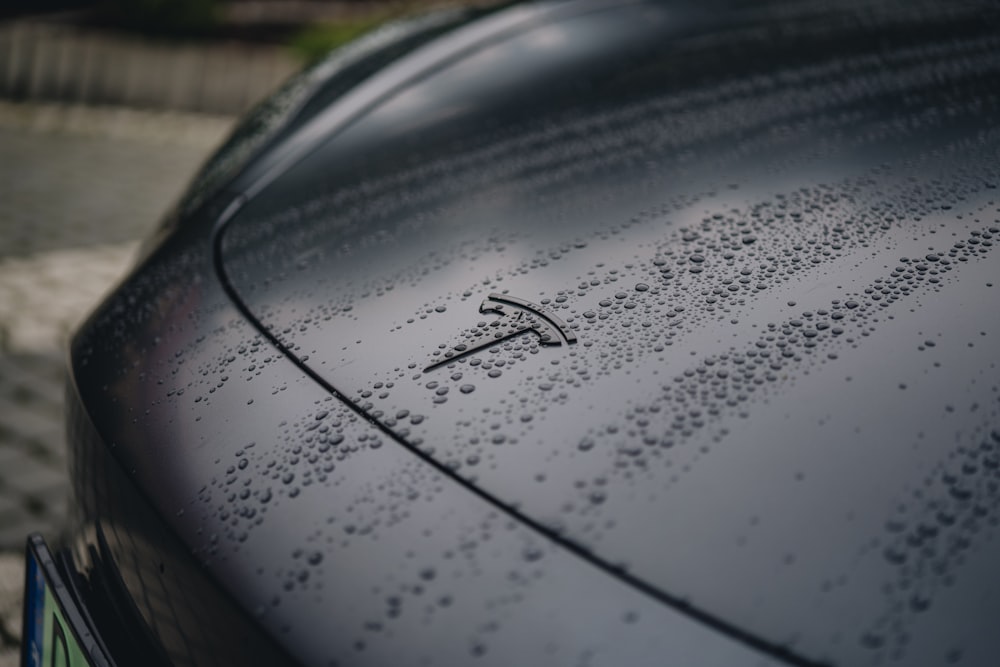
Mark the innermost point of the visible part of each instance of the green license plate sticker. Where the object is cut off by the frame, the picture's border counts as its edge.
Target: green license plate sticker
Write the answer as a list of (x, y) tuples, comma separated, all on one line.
[(59, 646), (48, 638)]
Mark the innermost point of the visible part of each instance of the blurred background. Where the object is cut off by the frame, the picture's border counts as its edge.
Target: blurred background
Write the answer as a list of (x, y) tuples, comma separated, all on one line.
[(107, 107)]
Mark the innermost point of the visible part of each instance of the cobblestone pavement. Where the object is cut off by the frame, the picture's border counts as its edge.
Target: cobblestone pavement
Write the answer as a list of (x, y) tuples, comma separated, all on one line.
[(78, 188)]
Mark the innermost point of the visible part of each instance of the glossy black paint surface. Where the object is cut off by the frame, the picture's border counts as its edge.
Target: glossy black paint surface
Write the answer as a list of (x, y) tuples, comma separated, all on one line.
[(771, 230), (762, 432), (342, 546)]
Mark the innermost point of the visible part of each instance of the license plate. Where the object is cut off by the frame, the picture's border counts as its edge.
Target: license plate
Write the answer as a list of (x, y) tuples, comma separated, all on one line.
[(55, 632)]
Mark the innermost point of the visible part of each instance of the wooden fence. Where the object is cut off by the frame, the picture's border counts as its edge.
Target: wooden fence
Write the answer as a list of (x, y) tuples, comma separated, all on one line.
[(62, 63)]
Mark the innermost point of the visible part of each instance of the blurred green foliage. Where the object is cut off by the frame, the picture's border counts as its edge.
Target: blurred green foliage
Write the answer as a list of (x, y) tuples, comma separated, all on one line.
[(175, 18), (315, 41)]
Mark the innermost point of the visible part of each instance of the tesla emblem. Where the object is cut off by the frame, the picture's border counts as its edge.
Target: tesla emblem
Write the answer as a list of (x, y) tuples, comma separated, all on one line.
[(517, 316)]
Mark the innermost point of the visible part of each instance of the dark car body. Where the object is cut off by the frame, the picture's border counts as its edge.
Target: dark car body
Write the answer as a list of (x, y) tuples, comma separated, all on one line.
[(618, 333)]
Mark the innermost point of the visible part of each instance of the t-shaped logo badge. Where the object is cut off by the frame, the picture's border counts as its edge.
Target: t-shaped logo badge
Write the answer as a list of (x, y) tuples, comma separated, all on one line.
[(517, 316)]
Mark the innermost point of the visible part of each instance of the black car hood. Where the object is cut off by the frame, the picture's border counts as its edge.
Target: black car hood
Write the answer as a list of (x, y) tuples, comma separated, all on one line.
[(740, 269)]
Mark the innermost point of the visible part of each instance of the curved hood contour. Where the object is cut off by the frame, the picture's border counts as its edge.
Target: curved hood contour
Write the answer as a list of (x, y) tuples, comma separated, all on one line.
[(710, 297)]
